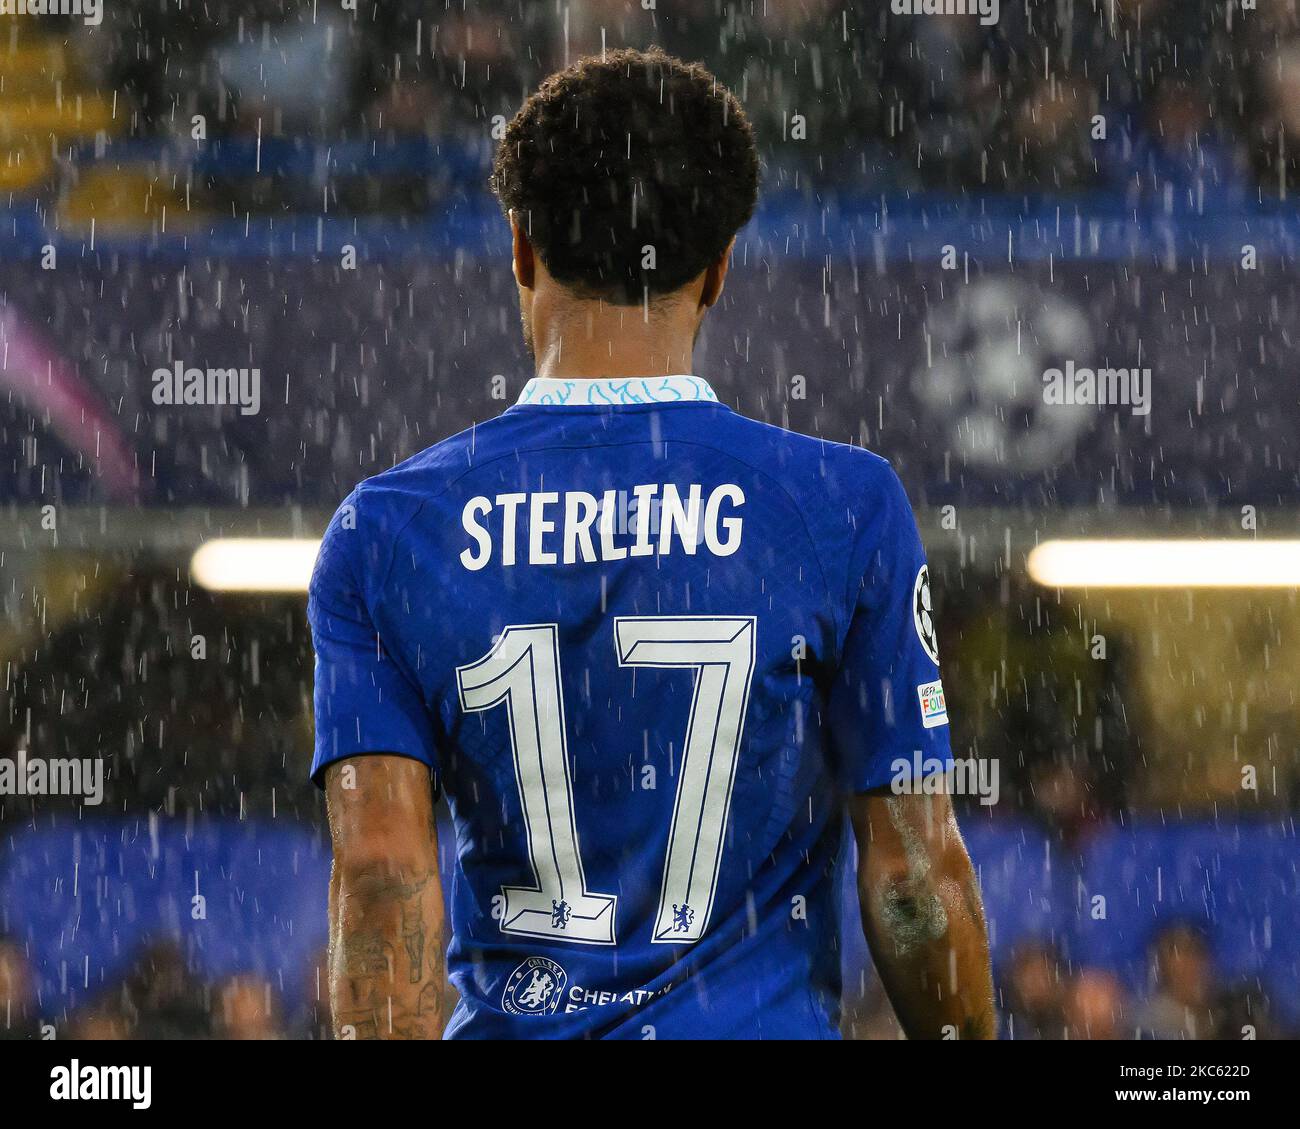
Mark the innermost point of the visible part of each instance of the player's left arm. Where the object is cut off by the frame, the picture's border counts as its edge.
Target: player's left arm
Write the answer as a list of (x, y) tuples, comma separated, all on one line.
[(888, 719), (386, 918), (922, 914)]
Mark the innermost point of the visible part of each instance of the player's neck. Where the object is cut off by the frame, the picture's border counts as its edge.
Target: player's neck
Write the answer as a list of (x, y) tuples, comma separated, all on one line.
[(648, 364), (613, 342)]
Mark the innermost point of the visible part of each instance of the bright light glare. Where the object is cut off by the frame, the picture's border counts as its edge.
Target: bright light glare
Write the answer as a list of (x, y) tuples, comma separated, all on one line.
[(1166, 564), (255, 564)]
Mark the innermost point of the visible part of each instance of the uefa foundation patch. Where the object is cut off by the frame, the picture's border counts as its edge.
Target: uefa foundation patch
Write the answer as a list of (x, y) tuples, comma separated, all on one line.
[(934, 710)]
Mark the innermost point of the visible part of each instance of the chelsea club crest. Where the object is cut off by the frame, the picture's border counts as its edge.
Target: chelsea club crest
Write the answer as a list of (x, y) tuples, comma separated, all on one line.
[(534, 988)]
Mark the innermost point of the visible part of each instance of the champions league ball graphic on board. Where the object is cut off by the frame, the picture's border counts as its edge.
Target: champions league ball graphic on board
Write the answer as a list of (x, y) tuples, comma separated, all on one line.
[(988, 347)]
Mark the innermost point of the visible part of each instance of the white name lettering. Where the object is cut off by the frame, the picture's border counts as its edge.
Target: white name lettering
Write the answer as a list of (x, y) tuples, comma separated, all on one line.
[(575, 527)]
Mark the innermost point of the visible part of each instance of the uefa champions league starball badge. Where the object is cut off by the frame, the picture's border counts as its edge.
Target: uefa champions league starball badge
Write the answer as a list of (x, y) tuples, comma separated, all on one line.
[(923, 614)]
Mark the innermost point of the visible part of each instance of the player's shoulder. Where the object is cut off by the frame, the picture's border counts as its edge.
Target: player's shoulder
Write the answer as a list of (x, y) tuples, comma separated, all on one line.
[(370, 521)]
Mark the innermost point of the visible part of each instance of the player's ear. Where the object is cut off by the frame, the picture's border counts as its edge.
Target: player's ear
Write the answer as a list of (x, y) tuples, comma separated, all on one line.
[(525, 265), (715, 278)]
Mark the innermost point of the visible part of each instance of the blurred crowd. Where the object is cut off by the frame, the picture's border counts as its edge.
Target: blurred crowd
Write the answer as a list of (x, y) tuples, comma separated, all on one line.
[(1041, 995), (161, 997), (1170, 101)]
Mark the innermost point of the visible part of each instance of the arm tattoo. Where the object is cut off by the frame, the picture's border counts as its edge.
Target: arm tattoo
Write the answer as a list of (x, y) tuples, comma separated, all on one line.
[(912, 910), (389, 980)]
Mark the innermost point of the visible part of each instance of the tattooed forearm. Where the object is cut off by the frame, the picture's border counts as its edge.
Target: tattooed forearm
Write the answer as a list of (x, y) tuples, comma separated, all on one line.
[(387, 978), (413, 935), (911, 909), (923, 917)]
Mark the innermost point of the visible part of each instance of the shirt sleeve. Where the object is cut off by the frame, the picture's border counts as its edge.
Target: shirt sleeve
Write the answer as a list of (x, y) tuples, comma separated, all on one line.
[(888, 718), (364, 701)]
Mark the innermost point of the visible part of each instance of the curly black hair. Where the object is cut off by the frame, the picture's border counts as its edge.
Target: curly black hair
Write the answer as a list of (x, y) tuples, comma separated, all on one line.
[(623, 153)]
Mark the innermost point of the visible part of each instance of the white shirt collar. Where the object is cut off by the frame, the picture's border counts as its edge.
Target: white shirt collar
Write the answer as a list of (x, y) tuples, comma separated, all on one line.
[(618, 392)]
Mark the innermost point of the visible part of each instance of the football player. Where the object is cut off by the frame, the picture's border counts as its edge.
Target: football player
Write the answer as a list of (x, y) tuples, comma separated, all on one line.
[(653, 653)]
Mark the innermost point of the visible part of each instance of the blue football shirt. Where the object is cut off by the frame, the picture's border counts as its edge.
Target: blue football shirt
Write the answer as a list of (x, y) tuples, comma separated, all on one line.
[(647, 646)]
